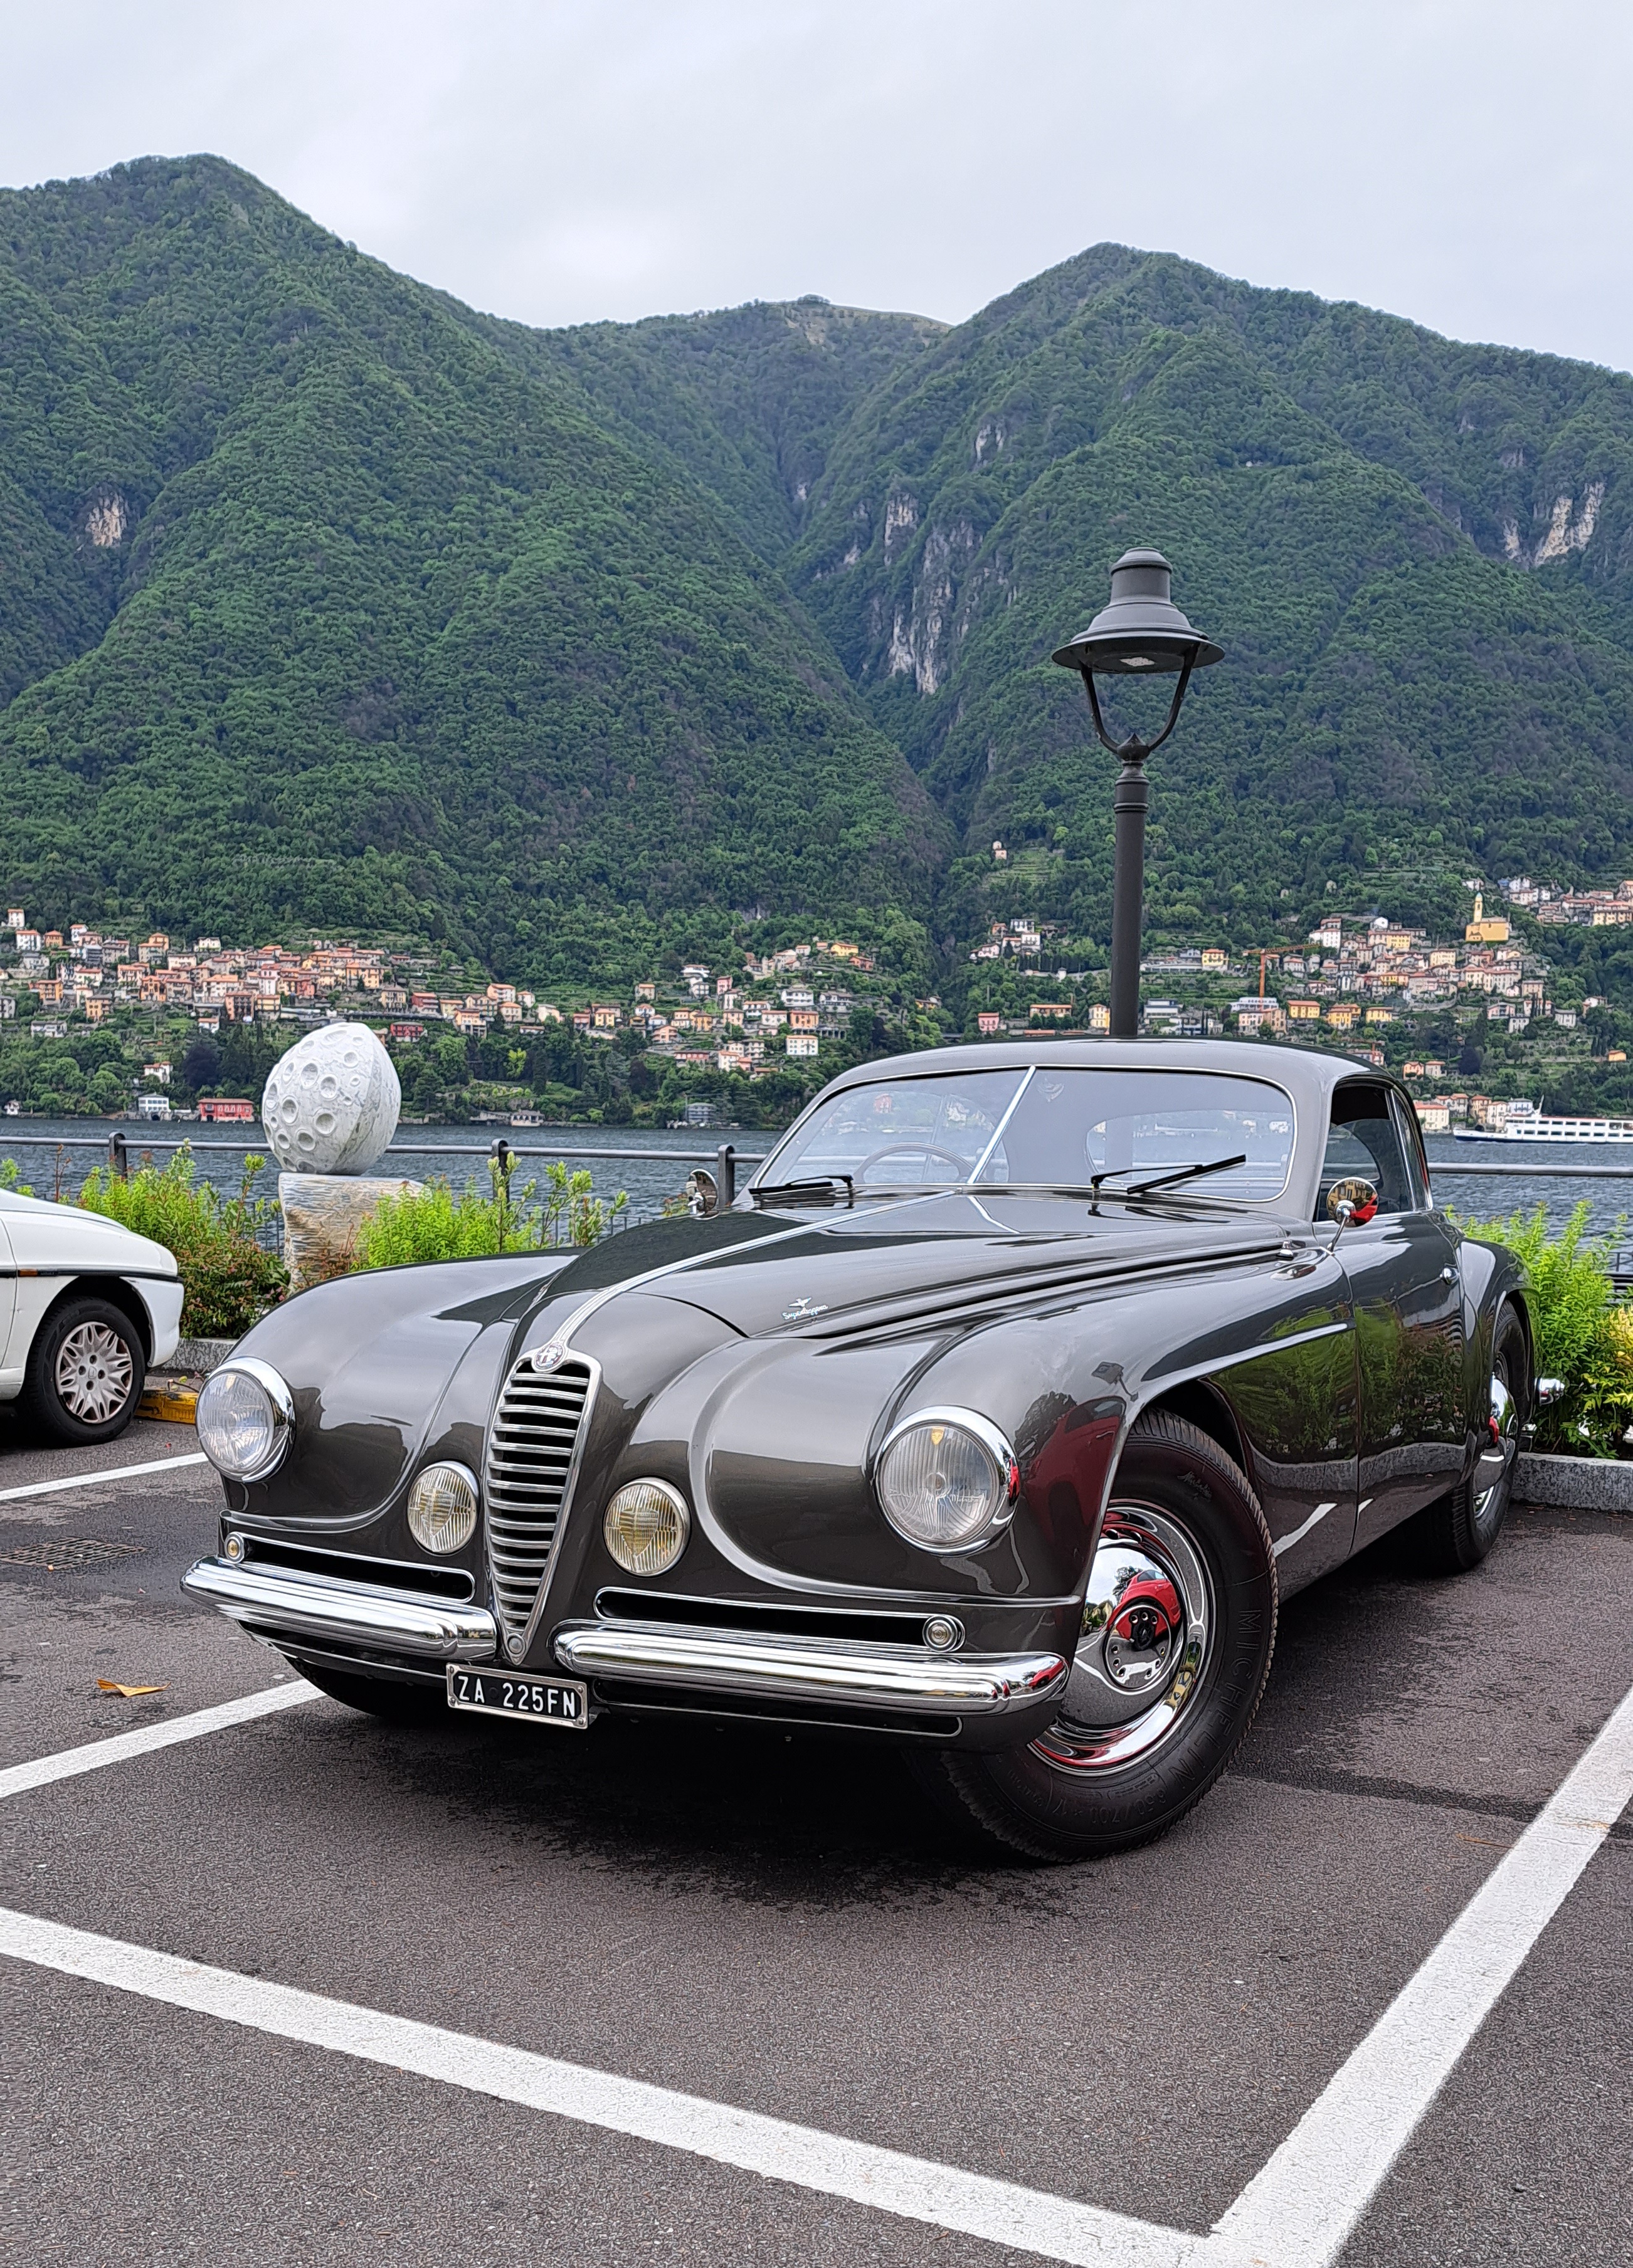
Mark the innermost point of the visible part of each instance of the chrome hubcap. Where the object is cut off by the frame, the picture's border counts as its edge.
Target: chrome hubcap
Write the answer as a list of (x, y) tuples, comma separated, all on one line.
[(95, 1373), (1500, 1449), (1145, 1643)]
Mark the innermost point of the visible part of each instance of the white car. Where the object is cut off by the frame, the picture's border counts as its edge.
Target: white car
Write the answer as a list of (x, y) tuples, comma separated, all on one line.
[(86, 1308)]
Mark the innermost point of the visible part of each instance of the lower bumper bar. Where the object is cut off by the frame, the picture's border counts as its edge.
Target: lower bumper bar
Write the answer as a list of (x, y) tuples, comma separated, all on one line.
[(808, 1669), (289, 1600)]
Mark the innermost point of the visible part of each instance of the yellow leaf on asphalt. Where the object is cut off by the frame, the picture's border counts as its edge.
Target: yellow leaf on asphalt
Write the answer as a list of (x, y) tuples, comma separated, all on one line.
[(128, 1692)]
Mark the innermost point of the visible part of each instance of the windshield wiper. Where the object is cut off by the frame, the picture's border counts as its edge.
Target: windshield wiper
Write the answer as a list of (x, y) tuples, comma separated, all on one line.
[(1166, 1180), (820, 1189)]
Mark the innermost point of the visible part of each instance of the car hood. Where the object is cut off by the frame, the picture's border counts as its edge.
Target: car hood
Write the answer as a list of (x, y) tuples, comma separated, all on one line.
[(831, 1272), (41, 1235)]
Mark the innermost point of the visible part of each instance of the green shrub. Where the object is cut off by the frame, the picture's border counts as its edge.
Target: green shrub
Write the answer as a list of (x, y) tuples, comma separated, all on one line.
[(437, 1223), (1580, 1332), (228, 1279), (11, 1179)]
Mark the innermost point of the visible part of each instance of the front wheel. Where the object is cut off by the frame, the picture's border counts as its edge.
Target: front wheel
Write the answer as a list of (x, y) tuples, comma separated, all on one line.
[(86, 1369), (1179, 1625)]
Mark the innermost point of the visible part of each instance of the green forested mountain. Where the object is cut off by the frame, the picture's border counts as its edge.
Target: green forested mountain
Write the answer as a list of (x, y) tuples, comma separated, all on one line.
[(327, 601), (317, 608), (748, 402)]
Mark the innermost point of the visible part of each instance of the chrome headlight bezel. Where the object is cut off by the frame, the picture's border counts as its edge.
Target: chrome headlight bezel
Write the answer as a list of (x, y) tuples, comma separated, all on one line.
[(281, 1412), (1003, 1492)]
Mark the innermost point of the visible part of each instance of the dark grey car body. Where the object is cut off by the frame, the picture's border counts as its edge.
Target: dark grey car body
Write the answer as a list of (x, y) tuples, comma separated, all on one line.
[(755, 1361)]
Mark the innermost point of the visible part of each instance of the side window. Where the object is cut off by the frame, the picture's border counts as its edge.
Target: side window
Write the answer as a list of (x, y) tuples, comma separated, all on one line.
[(1363, 1138), (1417, 1156)]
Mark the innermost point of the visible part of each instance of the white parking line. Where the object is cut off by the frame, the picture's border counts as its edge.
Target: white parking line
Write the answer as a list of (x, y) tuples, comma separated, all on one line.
[(119, 1748), (1297, 2212), (917, 2189), (108, 1473)]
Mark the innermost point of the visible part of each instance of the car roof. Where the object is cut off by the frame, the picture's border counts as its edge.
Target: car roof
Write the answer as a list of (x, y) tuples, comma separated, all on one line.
[(1308, 1074)]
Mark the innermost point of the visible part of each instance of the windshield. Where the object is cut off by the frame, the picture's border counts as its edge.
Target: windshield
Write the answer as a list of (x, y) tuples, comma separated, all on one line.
[(1057, 1127)]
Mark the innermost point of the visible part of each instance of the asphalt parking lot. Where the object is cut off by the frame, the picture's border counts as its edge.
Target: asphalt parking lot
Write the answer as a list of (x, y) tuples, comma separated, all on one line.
[(742, 1923)]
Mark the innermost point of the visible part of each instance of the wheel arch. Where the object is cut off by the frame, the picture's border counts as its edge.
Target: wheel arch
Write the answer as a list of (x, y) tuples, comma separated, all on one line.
[(118, 1294), (1204, 1406)]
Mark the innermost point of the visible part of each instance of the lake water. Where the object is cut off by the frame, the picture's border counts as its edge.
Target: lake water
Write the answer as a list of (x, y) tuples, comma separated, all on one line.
[(1567, 1183), (54, 1155), (663, 1159)]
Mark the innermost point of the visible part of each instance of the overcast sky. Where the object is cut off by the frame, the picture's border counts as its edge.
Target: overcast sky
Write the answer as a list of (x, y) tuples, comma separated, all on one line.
[(1463, 162)]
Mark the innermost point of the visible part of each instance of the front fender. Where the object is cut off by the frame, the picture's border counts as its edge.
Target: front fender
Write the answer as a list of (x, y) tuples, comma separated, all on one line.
[(383, 1366)]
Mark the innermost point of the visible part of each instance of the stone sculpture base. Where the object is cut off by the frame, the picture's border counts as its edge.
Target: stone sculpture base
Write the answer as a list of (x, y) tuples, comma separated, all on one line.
[(323, 1213)]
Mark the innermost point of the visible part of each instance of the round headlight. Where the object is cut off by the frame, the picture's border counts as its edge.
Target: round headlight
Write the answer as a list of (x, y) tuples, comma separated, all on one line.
[(646, 1525), (442, 1507), (947, 1479), (244, 1417)]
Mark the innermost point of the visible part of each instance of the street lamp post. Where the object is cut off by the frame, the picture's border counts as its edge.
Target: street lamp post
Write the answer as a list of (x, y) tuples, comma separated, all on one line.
[(1139, 633)]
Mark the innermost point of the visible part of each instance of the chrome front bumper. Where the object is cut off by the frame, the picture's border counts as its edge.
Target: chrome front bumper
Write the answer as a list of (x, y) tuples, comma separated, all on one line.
[(287, 1602), (835, 1670)]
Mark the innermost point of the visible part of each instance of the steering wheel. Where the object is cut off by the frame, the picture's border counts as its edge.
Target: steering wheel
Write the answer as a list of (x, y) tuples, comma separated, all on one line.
[(916, 1149)]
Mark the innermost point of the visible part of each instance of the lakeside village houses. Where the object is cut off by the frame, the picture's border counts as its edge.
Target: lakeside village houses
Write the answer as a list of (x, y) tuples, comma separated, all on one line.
[(714, 1022), (1359, 973)]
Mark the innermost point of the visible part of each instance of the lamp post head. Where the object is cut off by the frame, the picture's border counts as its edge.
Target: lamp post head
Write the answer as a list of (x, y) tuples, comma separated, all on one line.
[(1140, 632)]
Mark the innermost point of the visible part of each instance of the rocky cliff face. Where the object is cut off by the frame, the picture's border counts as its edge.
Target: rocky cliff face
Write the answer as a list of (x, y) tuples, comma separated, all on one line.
[(1347, 499)]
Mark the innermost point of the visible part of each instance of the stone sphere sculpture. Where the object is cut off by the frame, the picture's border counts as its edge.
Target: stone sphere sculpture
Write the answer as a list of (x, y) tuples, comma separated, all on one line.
[(331, 1104)]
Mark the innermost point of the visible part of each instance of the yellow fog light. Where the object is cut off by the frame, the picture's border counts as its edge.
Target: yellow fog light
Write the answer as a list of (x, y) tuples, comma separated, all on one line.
[(442, 1507), (647, 1527)]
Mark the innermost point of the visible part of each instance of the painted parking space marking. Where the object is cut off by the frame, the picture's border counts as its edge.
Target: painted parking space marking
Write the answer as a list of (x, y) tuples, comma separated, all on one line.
[(108, 1473), (915, 2188), (1298, 2212), (119, 1748)]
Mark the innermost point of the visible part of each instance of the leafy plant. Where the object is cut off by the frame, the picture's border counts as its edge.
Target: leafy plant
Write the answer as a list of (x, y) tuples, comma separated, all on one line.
[(1580, 1332), (437, 1223), (229, 1278), (1608, 1373), (9, 1179)]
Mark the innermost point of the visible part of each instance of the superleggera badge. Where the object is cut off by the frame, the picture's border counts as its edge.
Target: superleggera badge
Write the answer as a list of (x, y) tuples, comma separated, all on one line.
[(802, 1310)]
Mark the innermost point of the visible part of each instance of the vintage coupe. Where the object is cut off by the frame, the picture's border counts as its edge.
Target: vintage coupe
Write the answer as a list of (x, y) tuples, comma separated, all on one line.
[(993, 1418)]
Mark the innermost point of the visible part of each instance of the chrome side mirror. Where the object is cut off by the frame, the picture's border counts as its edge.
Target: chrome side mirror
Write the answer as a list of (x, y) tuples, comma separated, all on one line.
[(1352, 1201), (703, 1193)]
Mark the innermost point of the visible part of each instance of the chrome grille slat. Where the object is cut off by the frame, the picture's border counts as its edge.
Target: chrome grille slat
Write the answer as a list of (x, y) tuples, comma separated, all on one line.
[(533, 1444)]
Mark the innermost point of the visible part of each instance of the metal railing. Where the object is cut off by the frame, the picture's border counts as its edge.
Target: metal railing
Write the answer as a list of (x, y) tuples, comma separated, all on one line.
[(1536, 1172), (724, 1158), (118, 1144)]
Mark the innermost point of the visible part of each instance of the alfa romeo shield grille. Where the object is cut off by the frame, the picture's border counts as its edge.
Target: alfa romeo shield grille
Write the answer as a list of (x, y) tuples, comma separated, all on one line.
[(532, 1447)]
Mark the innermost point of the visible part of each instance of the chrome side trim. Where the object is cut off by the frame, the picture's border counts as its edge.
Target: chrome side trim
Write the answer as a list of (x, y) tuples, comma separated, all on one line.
[(327, 1605), (808, 1669)]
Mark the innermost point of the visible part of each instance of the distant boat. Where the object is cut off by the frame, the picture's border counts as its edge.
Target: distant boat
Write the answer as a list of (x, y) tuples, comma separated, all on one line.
[(1523, 1121)]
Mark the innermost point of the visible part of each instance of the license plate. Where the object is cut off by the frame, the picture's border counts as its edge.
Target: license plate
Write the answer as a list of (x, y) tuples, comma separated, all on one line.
[(559, 1701)]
